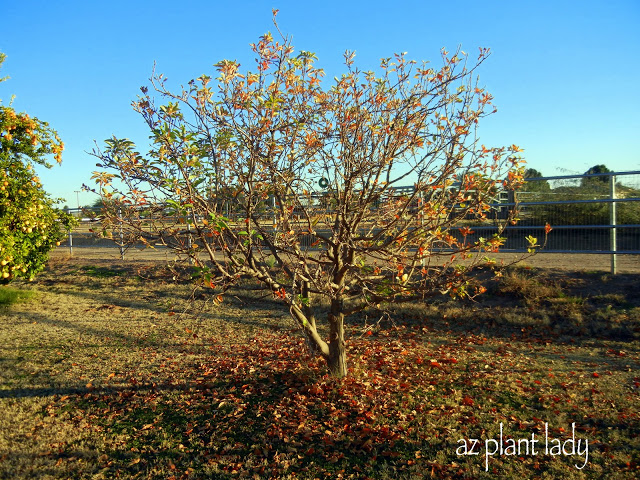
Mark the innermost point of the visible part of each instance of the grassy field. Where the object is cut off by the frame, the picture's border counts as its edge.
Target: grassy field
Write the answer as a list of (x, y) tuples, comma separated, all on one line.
[(107, 370)]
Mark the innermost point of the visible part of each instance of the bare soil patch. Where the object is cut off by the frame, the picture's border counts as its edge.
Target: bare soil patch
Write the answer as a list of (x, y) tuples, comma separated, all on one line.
[(562, 261)]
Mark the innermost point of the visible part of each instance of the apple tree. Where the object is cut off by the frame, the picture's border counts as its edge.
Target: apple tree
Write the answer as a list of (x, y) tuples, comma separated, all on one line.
[(283, 176), (30, 225)]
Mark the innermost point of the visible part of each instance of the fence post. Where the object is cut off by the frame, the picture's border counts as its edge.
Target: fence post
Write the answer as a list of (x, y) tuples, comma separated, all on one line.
[(68, 210), (121, 235), (612, 222), (275, 218), (70, 243), (189, 241)]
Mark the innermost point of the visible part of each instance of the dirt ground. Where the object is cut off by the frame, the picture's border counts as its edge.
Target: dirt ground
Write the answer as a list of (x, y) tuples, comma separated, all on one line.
[(572, 262)]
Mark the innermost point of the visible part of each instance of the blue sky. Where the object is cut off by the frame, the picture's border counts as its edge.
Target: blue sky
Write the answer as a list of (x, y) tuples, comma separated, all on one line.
[(564, 74)]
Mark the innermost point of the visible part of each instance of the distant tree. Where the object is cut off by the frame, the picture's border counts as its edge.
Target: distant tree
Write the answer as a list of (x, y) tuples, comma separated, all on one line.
[(596, 169), (30, 225), (98, 204), (260, 139), (538, 185), (532, 173)]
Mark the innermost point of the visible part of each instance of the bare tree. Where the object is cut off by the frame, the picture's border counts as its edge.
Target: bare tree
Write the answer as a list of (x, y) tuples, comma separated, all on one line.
[(291, 179)]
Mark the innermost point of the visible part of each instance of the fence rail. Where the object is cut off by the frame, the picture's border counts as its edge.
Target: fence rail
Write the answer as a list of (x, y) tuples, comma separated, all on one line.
[(607, 222)]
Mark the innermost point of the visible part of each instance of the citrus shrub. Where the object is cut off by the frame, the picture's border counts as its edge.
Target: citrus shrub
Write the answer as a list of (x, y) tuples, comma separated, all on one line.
[(30, 225)]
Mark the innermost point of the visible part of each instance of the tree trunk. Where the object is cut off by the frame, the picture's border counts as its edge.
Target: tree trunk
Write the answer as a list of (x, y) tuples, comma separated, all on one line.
[(337, 360)]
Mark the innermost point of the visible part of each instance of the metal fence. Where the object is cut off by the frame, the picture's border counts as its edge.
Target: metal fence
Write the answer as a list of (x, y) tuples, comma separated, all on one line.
[(596, 214)]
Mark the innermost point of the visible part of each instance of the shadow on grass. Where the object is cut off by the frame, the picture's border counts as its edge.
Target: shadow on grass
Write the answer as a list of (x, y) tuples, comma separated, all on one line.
[(83, 327)]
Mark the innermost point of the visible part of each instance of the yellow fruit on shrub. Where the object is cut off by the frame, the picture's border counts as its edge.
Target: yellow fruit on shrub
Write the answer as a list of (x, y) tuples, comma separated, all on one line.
[(34, 223)]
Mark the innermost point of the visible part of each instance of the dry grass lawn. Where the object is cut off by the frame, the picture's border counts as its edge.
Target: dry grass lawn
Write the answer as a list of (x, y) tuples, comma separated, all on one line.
[(109, 370)]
